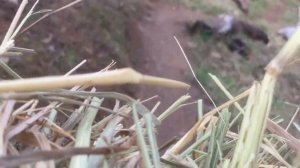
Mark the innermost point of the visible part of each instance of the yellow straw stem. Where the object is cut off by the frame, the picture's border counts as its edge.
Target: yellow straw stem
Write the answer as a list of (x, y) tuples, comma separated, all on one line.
[(114, 77)]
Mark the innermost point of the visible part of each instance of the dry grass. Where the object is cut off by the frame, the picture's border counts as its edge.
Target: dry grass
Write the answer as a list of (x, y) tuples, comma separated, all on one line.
[(43, 127)]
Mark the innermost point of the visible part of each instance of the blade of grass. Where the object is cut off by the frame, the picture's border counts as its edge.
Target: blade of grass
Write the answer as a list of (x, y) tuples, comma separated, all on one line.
[(104, 140), (83, 133), (196, 144), (152, 140), (4, 119), (173, 107), (140, 138), (217, 139), (228, 94), (200, 109)]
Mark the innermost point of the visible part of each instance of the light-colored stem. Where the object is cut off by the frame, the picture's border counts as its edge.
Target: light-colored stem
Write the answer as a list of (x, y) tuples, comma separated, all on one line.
[(173, 107), (298, 24), (15, 21), (9, 70), (114, 77), (84, 131), (17, 29), (258, 108)]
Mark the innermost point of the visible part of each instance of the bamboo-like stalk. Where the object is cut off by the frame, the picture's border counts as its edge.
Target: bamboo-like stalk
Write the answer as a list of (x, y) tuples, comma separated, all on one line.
[(113, 77), (259, 106), (140, 139), (246, 123)]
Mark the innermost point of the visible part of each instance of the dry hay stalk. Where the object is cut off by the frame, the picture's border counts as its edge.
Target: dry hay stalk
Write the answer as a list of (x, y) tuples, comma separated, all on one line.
[(113, 77), (259, 106)]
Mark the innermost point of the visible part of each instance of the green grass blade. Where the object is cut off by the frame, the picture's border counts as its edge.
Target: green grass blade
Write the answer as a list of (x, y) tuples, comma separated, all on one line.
[(152, 140), (83, 134), (217, 139), (140, 138)]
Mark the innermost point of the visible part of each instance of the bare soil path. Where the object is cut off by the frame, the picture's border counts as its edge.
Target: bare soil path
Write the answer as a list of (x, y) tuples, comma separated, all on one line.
[(157, 53)]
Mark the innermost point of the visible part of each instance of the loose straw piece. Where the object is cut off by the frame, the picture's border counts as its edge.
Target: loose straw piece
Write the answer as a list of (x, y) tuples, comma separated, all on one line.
[(14, 23), (114, 77)]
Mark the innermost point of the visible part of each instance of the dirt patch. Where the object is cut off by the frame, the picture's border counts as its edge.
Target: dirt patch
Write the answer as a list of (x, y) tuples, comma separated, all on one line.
[(156, 53)]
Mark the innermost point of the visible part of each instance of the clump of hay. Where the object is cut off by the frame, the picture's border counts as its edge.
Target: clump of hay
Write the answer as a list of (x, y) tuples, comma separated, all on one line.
[(45, 125)]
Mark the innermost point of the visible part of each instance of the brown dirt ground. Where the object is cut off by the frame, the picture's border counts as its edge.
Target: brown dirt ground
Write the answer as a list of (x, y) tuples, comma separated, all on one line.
[(158, 54)]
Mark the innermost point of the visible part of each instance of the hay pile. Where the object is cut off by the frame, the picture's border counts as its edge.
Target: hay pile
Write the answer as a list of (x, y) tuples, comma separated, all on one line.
[(42, 124)]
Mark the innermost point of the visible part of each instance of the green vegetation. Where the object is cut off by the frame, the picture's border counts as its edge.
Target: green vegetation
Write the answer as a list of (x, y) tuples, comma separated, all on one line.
[(291, 16), (202, 74), (257, 8), (206, 8), (72, 58), (109, 28)]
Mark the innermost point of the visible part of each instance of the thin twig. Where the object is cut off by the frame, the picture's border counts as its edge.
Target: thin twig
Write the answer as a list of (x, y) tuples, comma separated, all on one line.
[(14, 22), (10, 71), (292, 119), (23, 21), (75, 68), (194, 75)]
